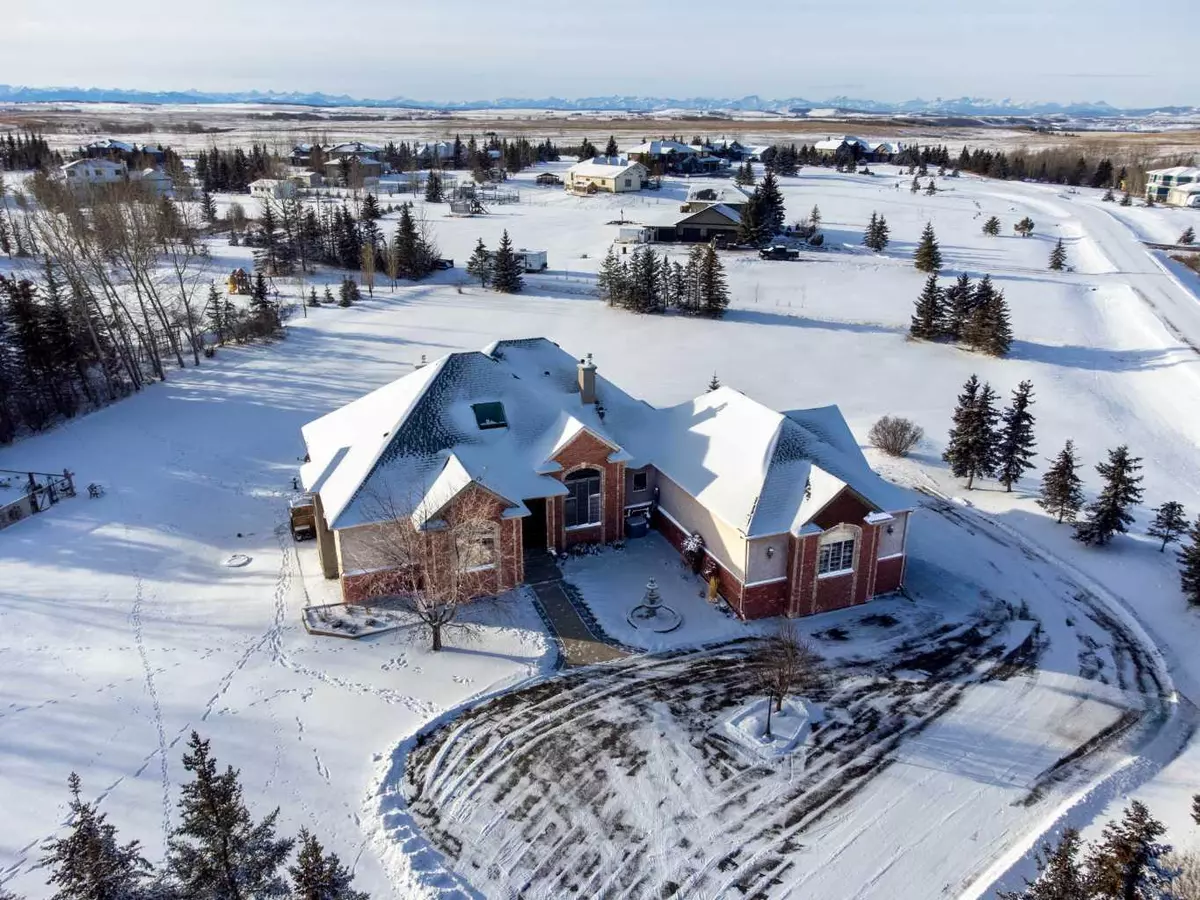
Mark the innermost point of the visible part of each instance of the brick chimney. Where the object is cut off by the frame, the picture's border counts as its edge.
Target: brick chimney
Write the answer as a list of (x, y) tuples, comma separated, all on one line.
[(587, 381)]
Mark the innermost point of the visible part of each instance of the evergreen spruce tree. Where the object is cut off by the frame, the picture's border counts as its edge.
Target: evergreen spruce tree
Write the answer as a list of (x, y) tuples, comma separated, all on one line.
[(1189, 581), (916, 185), (1188, 237), (960, 302), (214, 314), (1108, 196), (927, 320), (770, 204), (1058, 257), (1109, 514), (928, 258), (753, 229), (987, 326), (1127, 863), (971, 450), (931, 188), (714, 384), (611, 149), (433, 187), (208, 208), (312, 297), (815, 217), (1062, 488), (217, 851), (714, 296), (991, 227), (328, 296), (882, 234), (6, 246), (480, 264), (1169, 523), (1024, 227), (1126, 199), (1015, 448), (317, 875), (1060, 873), (506, 270), (869, 236), (88, 863)]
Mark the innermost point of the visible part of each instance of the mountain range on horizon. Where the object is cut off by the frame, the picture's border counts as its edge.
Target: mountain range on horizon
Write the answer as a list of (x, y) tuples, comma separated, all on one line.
[(969, 106)]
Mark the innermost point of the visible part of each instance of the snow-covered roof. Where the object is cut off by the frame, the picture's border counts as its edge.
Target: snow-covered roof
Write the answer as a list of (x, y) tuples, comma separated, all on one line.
[(887, 146), (110, 144), (1175, 172), (412, 445), (726, 193), (1193, 188), (153, 174), (94, 164), (721, 209), (834, 143), (265, 182), (663, 148), (603, 167), (749, 465), (354, 147)]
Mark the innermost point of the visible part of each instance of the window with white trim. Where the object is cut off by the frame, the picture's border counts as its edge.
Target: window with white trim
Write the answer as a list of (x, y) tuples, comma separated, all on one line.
[(476, 548), (836, 557), (582, 504), (639, 482)]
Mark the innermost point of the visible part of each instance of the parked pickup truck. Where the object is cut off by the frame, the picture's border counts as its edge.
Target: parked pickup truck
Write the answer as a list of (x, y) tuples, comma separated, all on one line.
[(778, 252)]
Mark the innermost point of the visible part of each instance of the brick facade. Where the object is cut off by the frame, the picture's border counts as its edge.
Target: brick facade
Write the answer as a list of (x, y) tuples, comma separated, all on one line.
[(586, 451)]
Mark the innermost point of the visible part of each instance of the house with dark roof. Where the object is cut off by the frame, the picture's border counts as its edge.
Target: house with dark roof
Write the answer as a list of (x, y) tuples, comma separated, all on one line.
[(791, 518)]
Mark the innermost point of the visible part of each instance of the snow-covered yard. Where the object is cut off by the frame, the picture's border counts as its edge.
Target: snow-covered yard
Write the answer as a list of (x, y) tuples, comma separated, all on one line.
[(124, 630)]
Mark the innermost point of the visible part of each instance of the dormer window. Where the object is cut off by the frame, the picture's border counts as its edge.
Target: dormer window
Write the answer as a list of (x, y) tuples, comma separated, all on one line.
[(489, 415)]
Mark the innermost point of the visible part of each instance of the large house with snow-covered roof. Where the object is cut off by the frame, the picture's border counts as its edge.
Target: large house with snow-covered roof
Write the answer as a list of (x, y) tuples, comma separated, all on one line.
[(792, 519)]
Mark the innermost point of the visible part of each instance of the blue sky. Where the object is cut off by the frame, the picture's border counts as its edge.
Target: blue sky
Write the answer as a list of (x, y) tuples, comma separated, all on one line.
[(1127, 54)]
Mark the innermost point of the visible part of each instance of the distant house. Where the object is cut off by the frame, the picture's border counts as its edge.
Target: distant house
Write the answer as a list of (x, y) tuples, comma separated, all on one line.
[(305, 178), (859, 149), (1161, 182), (548, 179), (106, 148), (352, 170), (730, 150), (436, 152), (302, 154), (614, 174), (1187, 195), (88, 173), (356, 150), (731, 195), (884, 151), (272, 189), (781, 507), (155, 180)]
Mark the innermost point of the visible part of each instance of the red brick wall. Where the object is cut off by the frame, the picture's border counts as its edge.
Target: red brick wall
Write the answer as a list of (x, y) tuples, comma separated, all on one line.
[(507, 573), (834, 592), (586, 451), (764, 600)]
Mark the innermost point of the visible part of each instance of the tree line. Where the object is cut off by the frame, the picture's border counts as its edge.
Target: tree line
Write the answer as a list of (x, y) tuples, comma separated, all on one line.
[(986, 442), (26, 150), (218, 850), (648, 283), (1129, 861)]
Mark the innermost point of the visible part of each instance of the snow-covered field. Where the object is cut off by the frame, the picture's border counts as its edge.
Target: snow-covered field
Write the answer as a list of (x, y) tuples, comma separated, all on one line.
[(124, 631)]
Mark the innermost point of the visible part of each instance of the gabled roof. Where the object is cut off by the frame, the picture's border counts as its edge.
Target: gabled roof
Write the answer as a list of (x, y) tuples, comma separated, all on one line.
[(414, 444), (604, 167), (719, 209), (663, 148), (354, 147), (94, 164), (834, 143)]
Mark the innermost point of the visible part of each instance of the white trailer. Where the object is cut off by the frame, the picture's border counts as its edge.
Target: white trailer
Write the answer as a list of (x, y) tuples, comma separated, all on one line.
[(532, 260)]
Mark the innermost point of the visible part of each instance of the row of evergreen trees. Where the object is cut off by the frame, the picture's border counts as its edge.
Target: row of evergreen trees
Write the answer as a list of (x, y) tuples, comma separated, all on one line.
[(472, 154), (972, 314), (1129, 861), (233, 170), (216, 851), (26, 150), (647, 283), (291, 234), (986, 442)]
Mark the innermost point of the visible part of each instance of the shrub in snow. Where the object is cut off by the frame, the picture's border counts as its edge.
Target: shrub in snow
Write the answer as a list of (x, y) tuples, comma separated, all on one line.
[(693, 551), (895, 436)]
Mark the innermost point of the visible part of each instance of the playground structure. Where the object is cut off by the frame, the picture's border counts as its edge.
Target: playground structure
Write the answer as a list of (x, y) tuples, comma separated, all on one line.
[(41, 491), (239, 281)]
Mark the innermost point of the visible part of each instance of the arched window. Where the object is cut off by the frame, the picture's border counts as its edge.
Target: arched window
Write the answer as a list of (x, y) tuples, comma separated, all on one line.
[(836, 556), (582, 504)]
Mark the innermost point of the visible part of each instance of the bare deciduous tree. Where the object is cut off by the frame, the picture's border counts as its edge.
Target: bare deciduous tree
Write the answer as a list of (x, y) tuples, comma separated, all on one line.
[(432, 562), (895, 436), (782, 663)]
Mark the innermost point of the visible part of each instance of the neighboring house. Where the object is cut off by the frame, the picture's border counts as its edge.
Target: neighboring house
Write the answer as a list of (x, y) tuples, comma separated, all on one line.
[(731, 195), (1184, 195), (614, 174), (884, 151), (352, 171), (831, 145), (355, 149), (272, 189), (305, 178), (792, 518), (155, 180), (89, 173), (439, 151), (714, 221), (302, 154), (1159, 183), (107, 147)]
